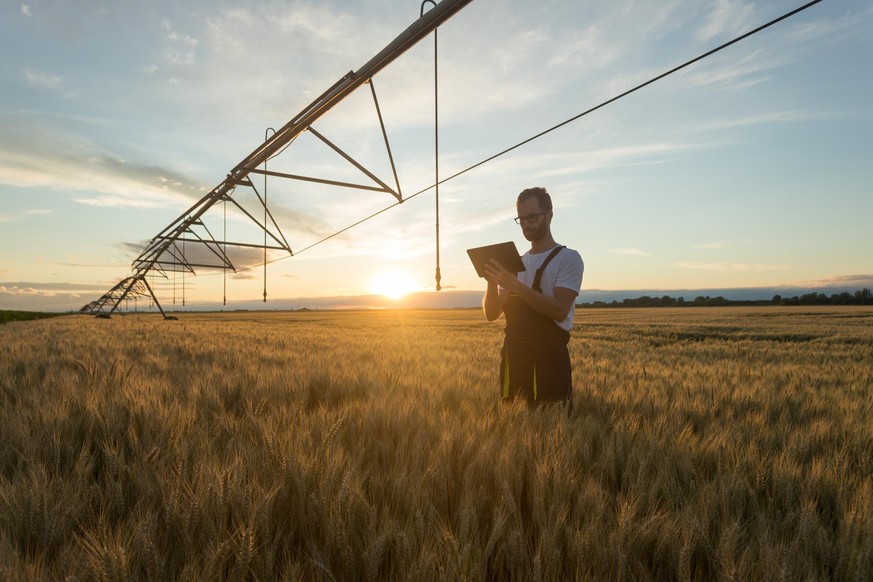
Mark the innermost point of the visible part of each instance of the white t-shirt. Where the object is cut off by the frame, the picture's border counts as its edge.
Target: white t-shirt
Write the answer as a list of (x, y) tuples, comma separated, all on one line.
[(565, 270)]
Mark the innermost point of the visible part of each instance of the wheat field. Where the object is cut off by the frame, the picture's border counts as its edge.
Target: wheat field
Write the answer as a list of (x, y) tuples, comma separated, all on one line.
[(704, 444)]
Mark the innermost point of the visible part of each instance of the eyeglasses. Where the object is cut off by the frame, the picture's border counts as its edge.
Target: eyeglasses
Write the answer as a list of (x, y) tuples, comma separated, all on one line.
[(530, 218)]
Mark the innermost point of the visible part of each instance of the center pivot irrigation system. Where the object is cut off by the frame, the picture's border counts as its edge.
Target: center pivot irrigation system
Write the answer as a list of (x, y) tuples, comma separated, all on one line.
[(187, 243), (170, 250)]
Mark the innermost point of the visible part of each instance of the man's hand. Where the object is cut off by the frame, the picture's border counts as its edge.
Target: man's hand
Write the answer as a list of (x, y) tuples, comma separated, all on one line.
[(497, 275)]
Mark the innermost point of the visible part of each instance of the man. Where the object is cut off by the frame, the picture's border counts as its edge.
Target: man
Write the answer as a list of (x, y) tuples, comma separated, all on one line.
[(539, 305)]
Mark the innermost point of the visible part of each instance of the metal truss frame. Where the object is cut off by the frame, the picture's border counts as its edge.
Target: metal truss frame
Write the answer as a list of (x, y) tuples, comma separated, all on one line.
[(167, 251), (132, 287)]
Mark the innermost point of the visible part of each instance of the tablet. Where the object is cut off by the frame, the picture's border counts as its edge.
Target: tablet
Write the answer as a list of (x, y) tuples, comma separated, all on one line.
[(504, 253)]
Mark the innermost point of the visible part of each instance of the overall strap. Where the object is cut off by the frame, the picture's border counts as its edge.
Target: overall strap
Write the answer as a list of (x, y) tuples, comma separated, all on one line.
[(539, 275)]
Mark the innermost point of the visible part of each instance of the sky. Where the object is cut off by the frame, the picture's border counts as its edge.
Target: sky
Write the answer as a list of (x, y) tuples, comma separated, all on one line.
[(748, 169)]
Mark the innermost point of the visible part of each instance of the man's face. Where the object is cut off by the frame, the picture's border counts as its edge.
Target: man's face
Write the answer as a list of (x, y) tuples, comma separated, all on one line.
[(535, 221)]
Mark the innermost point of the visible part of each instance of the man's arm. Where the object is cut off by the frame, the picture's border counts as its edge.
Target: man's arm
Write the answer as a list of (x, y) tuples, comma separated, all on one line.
[(492, 302), (556, 307)]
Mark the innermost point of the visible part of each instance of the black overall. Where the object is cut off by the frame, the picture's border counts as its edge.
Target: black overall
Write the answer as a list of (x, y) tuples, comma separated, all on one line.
[(535, 361)]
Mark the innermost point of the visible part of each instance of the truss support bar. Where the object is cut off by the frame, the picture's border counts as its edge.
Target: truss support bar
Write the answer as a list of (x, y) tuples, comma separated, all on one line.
[(186, 270), (399, 194), (319, 180), (154, 297), (229, 243), (352, 161), (261, 226)]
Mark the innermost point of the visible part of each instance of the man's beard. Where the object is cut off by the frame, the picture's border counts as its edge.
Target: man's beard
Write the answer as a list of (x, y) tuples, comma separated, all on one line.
[(538, 232)]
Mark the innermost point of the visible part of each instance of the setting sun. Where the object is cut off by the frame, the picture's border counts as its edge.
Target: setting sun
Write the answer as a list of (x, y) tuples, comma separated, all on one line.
[(393, 284)]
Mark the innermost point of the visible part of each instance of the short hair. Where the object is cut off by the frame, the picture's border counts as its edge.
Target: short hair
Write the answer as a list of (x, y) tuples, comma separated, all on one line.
[(543, 198)]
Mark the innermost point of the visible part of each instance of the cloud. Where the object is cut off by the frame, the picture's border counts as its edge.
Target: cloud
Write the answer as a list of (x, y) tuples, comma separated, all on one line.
[(96, 265), (630, 252), (182, 48), (132, 249), (199, 254), (728, 18), (49, 296), (24, 214), (559, 161), (735, 73), (772, 117), (36, 156), (31, 288), (728, 266), (858, 281), (25, 9), (43, 79)]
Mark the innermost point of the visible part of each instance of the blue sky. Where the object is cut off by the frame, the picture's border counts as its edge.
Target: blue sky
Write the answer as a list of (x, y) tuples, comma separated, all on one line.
[(748, 169)]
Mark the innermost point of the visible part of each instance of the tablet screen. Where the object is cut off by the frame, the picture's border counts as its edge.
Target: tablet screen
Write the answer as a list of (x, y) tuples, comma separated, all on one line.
[(504, 253)]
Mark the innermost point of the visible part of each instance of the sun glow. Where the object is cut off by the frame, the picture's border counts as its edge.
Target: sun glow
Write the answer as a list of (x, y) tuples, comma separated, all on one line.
[(393, 284)]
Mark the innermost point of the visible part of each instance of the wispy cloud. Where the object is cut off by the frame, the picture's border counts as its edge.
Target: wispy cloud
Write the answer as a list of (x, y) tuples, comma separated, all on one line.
[(25, 9), (32, 158), (630, 252), (728, 266), (759, 119), (841, 281), (558, 162), (830, 30), (43, 79), (30, 287), (96, 265), (728, 18), (24, 214), (242, 258), (736, 73), (182, 48)]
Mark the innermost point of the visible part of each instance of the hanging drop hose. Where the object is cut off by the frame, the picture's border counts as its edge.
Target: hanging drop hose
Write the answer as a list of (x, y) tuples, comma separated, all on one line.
[(266, 136), (436, 146), (224, 239), (183, 274)]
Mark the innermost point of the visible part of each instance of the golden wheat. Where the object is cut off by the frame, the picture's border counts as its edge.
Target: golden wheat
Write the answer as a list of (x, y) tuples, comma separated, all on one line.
[(704, 443)]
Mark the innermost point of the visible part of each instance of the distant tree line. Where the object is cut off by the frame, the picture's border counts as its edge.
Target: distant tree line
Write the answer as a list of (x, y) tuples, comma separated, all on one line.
[(24, 315), (860, 297)]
